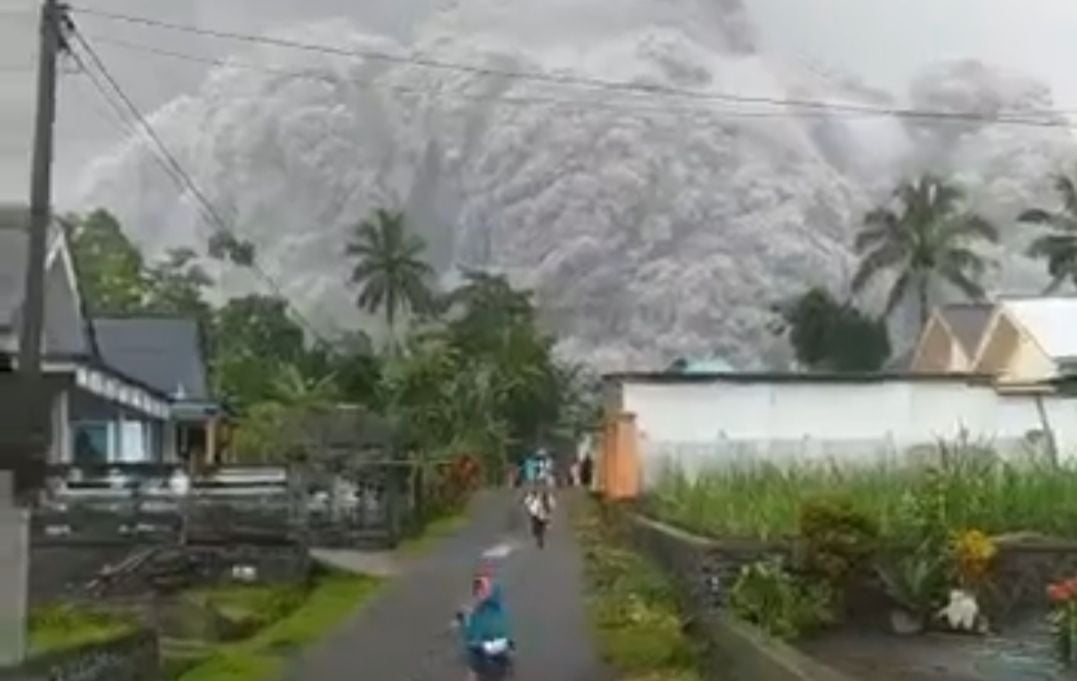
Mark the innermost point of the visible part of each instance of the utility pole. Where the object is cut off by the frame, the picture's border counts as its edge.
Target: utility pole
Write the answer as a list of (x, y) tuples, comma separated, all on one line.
[(37, 402)]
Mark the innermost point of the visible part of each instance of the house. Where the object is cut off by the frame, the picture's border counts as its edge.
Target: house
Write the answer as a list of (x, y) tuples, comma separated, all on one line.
[(951, 338), (103, 406), (1030, 343), (166, 354), (696, 421)]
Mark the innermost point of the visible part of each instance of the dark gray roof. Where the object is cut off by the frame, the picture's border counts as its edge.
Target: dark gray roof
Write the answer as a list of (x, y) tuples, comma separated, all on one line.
[(164, 352), (63, 332), (967, 321)]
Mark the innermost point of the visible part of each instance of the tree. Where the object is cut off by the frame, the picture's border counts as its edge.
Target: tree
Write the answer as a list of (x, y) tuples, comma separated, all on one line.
[(389, 268), (176, 286), (251, 337), (925, 235), (826, 334), (109, 265), (1058, 247)]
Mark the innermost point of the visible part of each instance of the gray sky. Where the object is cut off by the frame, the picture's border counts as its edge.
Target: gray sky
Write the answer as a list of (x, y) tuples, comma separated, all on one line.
[(886, 41)]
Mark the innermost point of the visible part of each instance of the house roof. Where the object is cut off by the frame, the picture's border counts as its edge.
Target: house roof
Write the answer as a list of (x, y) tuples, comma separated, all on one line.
[(748, 377), (164, 352), (63, 331), (1051, 322), (967, 322)]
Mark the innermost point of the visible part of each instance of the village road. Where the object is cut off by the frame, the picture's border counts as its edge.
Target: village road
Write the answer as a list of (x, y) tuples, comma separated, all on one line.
[(405, 634)]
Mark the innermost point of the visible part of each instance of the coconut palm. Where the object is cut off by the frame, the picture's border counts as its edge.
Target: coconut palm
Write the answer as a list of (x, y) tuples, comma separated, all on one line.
[(1059, 246), (389, 268), (925, 235)]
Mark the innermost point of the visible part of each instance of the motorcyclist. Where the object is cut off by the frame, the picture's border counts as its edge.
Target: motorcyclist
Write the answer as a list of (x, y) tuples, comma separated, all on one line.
[(488, 641)]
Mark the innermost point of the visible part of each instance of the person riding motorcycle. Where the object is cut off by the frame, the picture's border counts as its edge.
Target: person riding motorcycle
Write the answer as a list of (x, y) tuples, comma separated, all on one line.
[(488, 642)]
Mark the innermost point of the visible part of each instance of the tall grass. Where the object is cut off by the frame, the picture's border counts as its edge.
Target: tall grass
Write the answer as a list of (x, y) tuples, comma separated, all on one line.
[(962, 485)]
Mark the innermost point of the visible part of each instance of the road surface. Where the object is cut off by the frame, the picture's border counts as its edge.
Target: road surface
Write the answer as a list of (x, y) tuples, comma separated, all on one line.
[(405, 634)]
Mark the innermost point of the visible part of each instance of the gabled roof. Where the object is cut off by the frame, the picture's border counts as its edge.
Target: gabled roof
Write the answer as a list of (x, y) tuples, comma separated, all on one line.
[(967, 322), (1050, 322), (64, 331), (164, 352)]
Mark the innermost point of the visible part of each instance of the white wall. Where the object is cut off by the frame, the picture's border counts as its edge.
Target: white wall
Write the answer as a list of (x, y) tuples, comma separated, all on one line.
[(698, 424)]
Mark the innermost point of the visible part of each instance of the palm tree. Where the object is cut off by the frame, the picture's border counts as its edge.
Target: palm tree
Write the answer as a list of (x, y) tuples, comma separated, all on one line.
[(389, 268), (1059, 247), (926, 237)]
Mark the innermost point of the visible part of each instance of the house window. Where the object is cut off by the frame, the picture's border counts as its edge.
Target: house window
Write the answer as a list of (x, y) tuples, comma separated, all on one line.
[(91, 442)]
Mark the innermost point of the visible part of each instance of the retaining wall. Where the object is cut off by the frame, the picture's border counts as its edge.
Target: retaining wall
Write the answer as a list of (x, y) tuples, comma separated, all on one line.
[(705, 569), (132, 658)]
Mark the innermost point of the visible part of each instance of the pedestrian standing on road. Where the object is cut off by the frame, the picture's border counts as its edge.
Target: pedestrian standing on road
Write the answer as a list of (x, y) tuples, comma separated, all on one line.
[(586, 471), (540, 505)]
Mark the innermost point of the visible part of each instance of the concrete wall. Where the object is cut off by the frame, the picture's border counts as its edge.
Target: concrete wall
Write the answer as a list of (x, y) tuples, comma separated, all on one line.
[(700, 423), (132, 658)]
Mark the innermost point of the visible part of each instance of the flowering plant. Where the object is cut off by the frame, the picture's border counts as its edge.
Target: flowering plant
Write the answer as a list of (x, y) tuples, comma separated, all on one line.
[(1063, 597), (973, 552)]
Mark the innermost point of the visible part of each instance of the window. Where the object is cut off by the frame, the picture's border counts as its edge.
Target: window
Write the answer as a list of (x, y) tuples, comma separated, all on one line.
[(91, 442)]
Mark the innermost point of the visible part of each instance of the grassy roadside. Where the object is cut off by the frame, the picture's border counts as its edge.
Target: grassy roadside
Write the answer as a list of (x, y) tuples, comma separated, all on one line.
[(632, 606), (59, 627), (263, 655), (434, 532)]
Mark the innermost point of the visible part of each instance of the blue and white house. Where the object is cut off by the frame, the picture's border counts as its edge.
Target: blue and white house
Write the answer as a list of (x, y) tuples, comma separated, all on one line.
[(122, 390)]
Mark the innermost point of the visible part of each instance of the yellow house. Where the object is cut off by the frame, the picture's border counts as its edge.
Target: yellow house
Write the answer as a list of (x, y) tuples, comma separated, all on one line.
[(1029, 342), (951, 338)]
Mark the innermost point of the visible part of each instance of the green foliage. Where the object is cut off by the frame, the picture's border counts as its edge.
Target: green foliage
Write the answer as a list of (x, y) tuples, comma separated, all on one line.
[(954, 487), (632, 606), (251, 607), (826, 334), (53, 628), (839, 540), (1058, 247), (389, 268), (176, 285), (262, 656), (251, 337), (110, 266), (780, 604), (915, 581), (927, 237)]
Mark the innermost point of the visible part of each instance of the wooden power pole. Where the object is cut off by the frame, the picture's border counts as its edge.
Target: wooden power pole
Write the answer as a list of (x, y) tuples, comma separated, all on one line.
[(37, 396)]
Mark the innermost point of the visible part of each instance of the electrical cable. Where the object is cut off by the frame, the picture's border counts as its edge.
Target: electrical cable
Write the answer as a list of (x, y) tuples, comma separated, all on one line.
[(1030, 118), (169, 162)]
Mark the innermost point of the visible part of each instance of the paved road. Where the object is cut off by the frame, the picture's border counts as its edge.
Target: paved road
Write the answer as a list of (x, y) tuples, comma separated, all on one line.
[(405, 634)]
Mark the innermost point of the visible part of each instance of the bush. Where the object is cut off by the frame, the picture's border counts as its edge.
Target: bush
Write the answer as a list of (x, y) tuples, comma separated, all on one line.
[(766, 595), (632, 606), (839, 541)]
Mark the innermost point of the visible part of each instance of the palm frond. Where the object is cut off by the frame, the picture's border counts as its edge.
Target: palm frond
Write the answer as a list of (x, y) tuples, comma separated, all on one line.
[(875, 262), (898, 291)]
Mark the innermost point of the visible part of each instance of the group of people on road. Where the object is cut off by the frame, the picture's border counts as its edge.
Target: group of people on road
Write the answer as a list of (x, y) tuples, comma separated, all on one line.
[(484, 622)]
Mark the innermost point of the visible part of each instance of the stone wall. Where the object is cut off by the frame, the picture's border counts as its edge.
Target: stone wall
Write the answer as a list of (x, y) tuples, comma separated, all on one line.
[(133, 658), (1023, 569), (703, 570), (58, 571), (708, 567)]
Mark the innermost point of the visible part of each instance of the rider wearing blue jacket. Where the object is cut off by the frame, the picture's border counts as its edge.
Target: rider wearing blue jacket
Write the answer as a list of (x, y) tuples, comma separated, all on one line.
[(486, 622)]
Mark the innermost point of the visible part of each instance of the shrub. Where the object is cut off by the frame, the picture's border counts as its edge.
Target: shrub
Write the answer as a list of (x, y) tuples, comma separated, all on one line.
[(766, 595), (839, 541)]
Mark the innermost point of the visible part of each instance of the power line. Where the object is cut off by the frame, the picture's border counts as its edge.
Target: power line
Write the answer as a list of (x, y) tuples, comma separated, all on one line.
[(171, 164), (625, 106), (1027, 118)]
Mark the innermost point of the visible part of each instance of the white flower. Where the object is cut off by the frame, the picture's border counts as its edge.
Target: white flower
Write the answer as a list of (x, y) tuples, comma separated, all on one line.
[(962, 612)]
